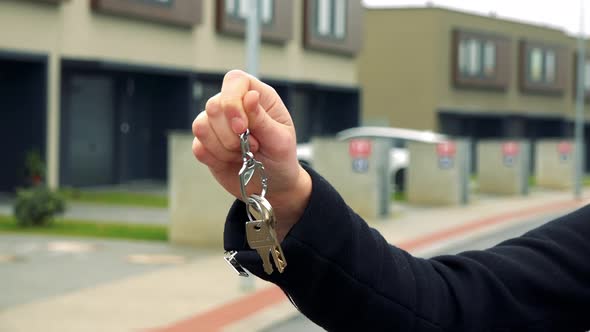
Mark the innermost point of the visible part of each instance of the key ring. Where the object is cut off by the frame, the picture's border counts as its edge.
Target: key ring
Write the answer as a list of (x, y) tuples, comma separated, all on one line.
[(249, 167)]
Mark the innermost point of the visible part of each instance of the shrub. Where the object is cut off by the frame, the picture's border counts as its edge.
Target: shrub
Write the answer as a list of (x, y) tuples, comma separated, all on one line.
[(37, 206), (35, 167)]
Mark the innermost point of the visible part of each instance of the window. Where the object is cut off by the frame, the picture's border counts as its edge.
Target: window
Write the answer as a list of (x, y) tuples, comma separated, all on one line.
[(164, 3), (542, 66), (477, 58), (240, 9), (330, 18)]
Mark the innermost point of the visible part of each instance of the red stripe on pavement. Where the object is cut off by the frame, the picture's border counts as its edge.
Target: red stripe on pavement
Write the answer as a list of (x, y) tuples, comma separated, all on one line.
[(228, 313), (481, 223), (214, 320)]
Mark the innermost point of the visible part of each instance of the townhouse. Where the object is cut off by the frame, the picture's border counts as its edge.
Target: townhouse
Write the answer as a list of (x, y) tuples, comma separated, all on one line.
[(96, 85), (468, 75)]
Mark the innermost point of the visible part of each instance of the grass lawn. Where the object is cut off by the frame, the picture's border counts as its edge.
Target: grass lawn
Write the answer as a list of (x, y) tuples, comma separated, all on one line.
[(114, 197), (69, 227)]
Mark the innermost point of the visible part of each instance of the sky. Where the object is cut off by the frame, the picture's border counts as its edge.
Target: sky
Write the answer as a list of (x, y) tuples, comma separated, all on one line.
[(562, 14)]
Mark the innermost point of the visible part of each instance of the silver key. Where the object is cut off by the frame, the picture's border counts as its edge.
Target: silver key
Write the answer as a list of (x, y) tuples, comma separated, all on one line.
[(261, 235), (260, 239)]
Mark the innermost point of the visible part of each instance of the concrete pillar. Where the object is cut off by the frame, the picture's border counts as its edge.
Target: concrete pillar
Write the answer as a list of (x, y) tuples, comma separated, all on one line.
[(438, 173), (360, 175), (198, 204), (554, 164), (53, 120), (503, 166)]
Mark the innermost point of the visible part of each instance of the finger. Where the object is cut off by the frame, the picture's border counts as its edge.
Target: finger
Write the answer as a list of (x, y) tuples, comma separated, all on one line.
[(215, 109), (236, 84), (275, 134), (206, 136), (203, 155)]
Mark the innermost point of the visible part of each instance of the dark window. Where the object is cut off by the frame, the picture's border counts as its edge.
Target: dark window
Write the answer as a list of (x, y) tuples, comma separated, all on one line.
[(330, 18)]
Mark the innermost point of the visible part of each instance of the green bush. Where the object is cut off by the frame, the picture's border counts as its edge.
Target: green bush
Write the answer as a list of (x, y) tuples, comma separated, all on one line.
[(37, 206)]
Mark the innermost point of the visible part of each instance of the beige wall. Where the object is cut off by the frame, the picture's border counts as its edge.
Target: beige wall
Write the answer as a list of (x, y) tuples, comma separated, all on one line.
[(495, 175), (552, 170), (198, 204), (361, 191), (73, 30), (405, 68), (428, 183), (395, 69), (512, 99)]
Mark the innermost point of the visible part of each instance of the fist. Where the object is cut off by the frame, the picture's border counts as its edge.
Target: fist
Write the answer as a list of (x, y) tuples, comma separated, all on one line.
[(247, 103)]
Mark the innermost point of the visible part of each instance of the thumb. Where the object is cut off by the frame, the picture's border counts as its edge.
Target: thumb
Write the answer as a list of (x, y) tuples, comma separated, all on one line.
[(270, 133)]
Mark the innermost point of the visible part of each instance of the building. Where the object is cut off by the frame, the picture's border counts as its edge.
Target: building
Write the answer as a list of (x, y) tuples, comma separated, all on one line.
[(95, 85), (467, 75)]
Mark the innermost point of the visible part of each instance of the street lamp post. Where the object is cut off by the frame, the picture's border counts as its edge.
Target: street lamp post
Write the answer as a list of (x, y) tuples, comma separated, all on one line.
[(252, 60), (580, 119)]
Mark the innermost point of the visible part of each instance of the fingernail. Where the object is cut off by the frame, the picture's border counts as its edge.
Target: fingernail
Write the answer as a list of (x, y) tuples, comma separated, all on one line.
[(237, 125)]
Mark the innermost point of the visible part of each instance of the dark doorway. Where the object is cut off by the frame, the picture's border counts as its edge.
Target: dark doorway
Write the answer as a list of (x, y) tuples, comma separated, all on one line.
[(131, 112), (322, 110), (23, 110), (90, 120)]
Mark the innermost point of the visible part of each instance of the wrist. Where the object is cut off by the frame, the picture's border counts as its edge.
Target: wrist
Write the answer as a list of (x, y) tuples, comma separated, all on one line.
[(289, 206)]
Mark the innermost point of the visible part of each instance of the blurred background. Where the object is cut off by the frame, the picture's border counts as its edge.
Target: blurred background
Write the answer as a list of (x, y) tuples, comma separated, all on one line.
[(93, 92)]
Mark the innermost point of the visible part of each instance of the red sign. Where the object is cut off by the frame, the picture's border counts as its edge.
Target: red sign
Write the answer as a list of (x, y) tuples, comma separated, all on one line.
[(359, 148), (510, 149), (446, 149), (564, 147)]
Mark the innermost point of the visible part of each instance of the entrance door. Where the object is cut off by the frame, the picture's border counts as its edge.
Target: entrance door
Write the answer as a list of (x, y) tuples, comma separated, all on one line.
[(90, 134), (22, 124)]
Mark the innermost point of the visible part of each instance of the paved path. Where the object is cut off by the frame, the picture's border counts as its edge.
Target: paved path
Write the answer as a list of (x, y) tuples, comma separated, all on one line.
[(202, 292), (107, 213)]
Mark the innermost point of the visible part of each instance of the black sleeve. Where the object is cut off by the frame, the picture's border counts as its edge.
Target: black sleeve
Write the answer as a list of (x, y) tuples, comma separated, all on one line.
[(344, 276)]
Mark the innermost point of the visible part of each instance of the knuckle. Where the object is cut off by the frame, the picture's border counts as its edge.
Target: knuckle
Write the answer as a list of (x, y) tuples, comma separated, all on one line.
[(231, 144), (233, 74), (212, 106), (200, 127), (199, 151)]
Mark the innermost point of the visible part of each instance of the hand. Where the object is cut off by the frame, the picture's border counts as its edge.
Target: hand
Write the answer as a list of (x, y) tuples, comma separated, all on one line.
[(245, 102)]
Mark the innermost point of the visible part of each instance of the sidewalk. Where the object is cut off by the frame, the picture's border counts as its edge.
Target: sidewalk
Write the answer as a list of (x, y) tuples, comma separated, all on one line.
[(106, 213), (204, 295)]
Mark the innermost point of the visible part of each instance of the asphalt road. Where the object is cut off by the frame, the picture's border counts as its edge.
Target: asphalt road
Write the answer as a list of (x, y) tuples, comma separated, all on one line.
[(36, 267), (301, 323)]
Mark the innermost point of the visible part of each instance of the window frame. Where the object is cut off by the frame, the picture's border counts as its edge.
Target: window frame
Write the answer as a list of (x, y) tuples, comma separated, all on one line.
[(332, 33), (349, 45), (278, 31), (575, 76), (183, 13), (556, 86), (235, 15), (462, 60)]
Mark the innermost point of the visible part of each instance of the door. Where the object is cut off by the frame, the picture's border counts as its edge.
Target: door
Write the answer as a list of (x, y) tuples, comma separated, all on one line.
[(90, 132)]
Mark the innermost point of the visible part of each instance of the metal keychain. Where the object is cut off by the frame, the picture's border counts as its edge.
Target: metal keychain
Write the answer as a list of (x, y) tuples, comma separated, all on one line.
[(249, 167)]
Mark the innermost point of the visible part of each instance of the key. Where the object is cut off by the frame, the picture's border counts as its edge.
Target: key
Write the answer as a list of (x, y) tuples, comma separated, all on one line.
[(260, 239), (261, 235)]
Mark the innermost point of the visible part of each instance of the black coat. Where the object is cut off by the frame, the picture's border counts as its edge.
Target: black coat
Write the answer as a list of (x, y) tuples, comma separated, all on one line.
[(344, 276)]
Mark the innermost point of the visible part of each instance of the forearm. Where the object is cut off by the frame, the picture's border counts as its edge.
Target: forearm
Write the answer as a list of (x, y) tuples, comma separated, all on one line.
[(340, 273), (344, 275)]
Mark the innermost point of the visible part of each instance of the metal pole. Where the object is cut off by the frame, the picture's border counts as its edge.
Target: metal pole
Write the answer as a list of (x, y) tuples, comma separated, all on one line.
[(253, 38), (252, 59), (579, 129)]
